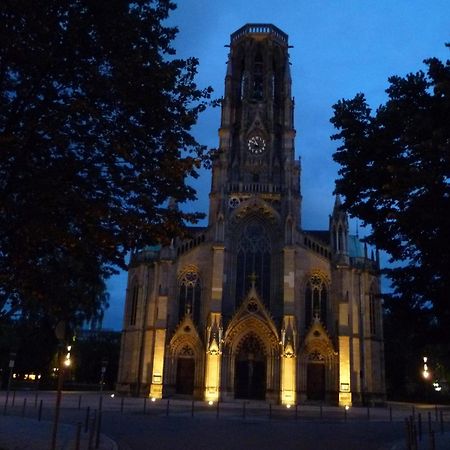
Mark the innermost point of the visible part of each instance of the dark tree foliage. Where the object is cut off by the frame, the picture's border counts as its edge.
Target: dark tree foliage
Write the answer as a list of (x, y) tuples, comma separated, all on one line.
[(395, 176), (95, 120)]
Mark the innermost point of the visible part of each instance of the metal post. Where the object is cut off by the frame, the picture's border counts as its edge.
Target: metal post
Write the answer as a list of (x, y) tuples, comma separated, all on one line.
[(122, 400), (296, 411), (12, 357), (40, 411), (192, 408), (345, 414), (145, 405), (368, 412), (244, 412), (390, 413), (24, 406), (436, 412), (86, 420), (407, 434), (92, 431), (429, 422), (78, 436), (79, 402), (167, 408), (270, 410), (13, 399), (442, 420), (58, 398), (321, 411), (432, 443), (419, 425), (36, 398), (99, 422), (217, 409)]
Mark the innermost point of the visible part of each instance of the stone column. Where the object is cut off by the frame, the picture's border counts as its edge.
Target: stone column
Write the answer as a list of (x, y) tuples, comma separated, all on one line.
[(214, 329), (289, 332)]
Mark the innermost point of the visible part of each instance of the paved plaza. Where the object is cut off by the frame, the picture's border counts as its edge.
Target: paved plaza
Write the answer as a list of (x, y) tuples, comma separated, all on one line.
[(135, 423)]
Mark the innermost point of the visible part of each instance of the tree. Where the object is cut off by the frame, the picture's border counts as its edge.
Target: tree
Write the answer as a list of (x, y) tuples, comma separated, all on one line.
[(95, 121), (395, 176)]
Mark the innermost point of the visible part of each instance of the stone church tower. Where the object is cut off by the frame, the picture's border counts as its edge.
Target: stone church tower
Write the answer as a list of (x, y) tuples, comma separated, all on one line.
[(254, 306)]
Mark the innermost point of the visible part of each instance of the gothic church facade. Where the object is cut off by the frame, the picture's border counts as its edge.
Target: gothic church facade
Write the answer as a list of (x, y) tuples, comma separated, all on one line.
[(254, 306)]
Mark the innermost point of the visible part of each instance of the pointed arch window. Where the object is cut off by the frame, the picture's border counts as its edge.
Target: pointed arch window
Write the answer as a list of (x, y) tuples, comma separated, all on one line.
[(316, 300), (134, 303), (189, 298), (253, 257)]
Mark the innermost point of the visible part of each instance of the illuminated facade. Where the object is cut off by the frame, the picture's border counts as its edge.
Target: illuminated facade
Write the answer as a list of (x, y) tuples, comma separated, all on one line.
[(254, 306)]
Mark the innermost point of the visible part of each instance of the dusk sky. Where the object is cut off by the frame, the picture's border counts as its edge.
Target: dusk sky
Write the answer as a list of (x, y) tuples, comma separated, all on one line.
[(340, 48)]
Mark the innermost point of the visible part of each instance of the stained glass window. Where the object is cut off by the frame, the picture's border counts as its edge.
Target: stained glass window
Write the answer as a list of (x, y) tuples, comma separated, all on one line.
[(253, 257), (316, 299), (189, 296)]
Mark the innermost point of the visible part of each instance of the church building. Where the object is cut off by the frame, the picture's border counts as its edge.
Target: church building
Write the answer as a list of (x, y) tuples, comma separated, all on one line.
[(253, 306)]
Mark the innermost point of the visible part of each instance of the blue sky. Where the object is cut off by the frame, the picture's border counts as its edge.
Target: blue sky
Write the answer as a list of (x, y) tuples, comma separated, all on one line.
[(340, 48)]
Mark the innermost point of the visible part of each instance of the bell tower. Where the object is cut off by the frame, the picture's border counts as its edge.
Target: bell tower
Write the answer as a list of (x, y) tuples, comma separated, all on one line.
[(256, 151)]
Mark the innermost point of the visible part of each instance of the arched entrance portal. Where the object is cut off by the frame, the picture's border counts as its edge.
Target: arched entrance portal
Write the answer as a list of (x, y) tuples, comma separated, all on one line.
[(185, 372), (250, 369), (315, 377)]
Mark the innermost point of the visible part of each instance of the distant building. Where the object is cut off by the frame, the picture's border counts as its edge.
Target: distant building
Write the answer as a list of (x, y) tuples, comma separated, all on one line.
[(254, 306)]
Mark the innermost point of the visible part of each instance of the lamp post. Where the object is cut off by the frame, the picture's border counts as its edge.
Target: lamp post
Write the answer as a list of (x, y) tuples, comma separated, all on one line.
[(60, 333), (12, 358), (100, 402)]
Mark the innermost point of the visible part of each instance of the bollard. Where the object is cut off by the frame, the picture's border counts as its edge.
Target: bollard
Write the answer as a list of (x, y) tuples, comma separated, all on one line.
[(167, 408), (79, 402), (145, 405), (390, 413), (429, 422), (442, 421), (321, 411), (122, 401), (86, 420), (413, 408), (368, 413), (414, 435), (217, 410), (192, 408), (419, 425), (296, 411), (13, 399), (244, 412), (40, 411), (270, 411), (432, 443), (436, 412), (407, 434), (36, 398), (92, 431), (345, 414), (24, 406), (99, 422), (78, 436)]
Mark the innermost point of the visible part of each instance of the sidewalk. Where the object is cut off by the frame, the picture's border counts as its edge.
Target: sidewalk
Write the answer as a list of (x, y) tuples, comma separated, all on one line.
[(17, 433)]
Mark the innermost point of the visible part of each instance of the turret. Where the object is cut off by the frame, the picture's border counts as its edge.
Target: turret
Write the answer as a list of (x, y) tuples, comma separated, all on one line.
[(339, 233)]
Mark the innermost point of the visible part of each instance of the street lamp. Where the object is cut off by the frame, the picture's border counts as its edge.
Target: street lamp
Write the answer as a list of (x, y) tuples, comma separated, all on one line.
[(425, 372)]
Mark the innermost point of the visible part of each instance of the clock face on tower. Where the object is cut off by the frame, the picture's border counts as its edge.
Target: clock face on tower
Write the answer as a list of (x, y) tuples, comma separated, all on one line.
[(256, 145)]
